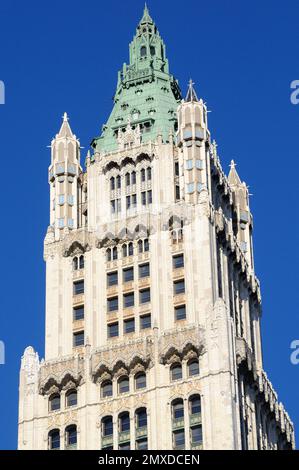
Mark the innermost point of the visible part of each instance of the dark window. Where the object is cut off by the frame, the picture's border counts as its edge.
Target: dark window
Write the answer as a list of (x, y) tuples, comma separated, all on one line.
[(193, 367), (114, 253), (176, 169), (178, 261), (131, 249), (178, 410), (149, 197), (144, 296), (133, 177), (78, 339), (176, 372), (140, 381), (118, 182), (129, 325), (125, 250), (149, 173), (108, 254), (196, 435), (112, 330), (71, 435), (127, 179), (125, 446), (54, 402), (134, 200), (54, 439), (179, 287), (81, 262), (177, 193), (75, 263), (140, 246), (152, 50), (107, 426), (145, 322), (141, 418), (128, 274), (129, 300), (112, 279), (179, 439), (112, 183), (113, 206), (144, 270), (146, 245), (71, 398), (78, 313), (180, 312), (128, 202), (106, 389), (124, 422), (142, 174), (123, 385), (141, 444), (143, 51), (143, 198), (112, 304), (78, 287), (195, 405)]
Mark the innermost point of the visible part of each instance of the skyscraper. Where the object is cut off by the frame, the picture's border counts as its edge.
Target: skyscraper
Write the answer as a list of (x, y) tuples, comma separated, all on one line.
[(152, 303)]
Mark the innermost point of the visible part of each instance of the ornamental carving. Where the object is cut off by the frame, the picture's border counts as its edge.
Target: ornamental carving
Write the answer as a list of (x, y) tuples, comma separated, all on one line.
[(61, 375), (179, 342)]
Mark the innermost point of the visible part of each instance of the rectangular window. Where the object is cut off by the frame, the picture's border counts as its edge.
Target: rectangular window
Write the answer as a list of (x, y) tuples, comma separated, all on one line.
[(180, 312), (179, 287), (179, 439), (70, 199), (134, 200), (78, 313), (78, 287), (118, 205), (112, 279), (141, 444), (176, 169), (61, 199), (196, 435), (199, 164), (189, 164), (129, 325), (129, 300), (190, 188), (145, 322), (113, 206), (178, 261), (78, 339), (143, 198), (61, 222), (128, 202), (112, 304), (149, 197), (177, 193), (112, 330), (128, 274), (70, 223), (144, 270), (144, 296)]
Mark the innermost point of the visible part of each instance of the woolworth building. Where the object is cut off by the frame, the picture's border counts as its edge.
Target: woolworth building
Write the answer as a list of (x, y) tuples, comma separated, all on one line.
[(153, 306)]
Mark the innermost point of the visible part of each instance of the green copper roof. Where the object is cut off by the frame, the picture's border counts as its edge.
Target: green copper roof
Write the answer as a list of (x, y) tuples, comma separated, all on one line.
[(146, 94)]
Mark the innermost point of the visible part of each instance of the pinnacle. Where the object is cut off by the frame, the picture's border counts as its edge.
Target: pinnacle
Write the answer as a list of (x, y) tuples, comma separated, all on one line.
[(191, 93)]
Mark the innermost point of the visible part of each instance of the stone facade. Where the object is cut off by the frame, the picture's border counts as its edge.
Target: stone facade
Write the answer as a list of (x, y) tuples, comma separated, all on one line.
[(152, 303)]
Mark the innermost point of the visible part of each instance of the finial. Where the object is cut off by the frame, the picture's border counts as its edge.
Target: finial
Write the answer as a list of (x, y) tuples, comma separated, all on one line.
[(65, 117), (191, 93), (232, 165)]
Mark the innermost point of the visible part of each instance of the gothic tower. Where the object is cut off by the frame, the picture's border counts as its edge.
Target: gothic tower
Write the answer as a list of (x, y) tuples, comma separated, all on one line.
[(153, 307)]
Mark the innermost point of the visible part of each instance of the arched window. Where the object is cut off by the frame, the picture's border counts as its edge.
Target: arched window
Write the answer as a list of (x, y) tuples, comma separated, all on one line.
[(118, 182), (107, 426), (176, 372), (81, 262), (54, 439), (131, 249), (123, 384), (71, 398), (112, 183), (195, 405), (75, 263), (106, 389), (71, 436), (193, 367), (133, 177), (54, 402), (140, 380), (149, 173), (128, 179), (124, 422), (140, 246), (143, 51), (114, 253), (141, 418), (152, 49), (177, 409), (108, 254), (146, 244), (142, 173), (125, 250)]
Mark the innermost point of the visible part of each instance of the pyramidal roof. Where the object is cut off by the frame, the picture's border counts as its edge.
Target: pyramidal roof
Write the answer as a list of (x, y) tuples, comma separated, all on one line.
[(233, 177), (147, 95), (191, 93), (65, 129)]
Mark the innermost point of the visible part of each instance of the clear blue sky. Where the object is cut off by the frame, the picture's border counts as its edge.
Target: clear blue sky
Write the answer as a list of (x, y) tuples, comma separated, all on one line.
[(63, 56)]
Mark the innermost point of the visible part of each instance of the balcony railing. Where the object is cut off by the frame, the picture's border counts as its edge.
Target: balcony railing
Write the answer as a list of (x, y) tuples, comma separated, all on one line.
[(196, 446), (124, 436), (178, 423), (195, 419), (107, 440), (71, 447), (141, 432)]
